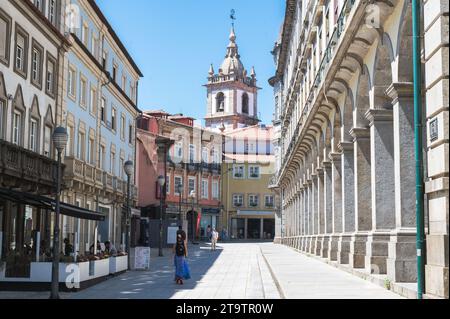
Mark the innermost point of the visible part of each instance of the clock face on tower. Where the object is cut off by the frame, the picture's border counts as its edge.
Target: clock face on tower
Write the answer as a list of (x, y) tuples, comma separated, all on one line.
[(232, 92)]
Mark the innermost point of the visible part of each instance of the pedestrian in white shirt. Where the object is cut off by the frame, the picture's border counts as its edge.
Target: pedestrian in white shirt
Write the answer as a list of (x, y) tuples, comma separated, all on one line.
[(214, 238)]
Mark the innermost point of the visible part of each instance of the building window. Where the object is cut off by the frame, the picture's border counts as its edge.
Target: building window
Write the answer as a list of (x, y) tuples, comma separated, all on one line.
[(85, 34), (191, 153), (34, 129), (104, 59), (103, 110), (130, 134), (71, 82), (178, 185), (101, 160), (17, 128), (253, 172), (68, 148), (124, 82), (21, 52), (50, 80), (205, 194), (39, 5), (36, 65), (238, 171), (5, 36), (47, 140), (269, 201), (168, 184), (114, 75), (220, 102), (191, 185), (94, 47), (91, 151), (205, 155), (215, 189), (178, 151), (245, 103), (112, 164), (93, 101), (52, 11), (122, 127), (81, 144), (113, 119), (253, 200), (83, 90), (238, 200), (2, 119)]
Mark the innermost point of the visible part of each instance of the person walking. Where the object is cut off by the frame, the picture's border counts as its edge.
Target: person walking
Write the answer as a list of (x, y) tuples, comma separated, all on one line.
[(214, 238), (208, 232), (181, 266)]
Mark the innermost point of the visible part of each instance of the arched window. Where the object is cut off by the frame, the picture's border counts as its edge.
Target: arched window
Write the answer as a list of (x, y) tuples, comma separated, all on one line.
[(220, 102), (245, 103)]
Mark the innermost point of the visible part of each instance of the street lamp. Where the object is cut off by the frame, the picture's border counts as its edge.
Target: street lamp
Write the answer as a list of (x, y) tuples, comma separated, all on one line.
[(128, 167), (192, 197), (180, 192), (59, 141), (161, 182)]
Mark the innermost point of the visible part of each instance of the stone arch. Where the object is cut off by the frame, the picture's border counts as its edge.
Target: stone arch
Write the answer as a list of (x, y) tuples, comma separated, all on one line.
[(362, 99), (404, 45), (382, 73)]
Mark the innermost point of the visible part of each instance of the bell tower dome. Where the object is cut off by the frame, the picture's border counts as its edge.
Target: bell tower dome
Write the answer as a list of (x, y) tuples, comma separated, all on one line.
[(232, 93)]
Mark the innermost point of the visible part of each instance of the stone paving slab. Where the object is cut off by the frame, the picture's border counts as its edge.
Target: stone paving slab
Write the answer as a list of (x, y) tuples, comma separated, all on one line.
[(302, 277)]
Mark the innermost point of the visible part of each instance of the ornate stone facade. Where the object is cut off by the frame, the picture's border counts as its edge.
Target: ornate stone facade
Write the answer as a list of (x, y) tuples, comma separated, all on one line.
[(347, 182)]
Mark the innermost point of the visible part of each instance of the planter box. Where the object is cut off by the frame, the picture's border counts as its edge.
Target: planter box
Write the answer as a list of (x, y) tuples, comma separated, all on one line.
[(118, 264)]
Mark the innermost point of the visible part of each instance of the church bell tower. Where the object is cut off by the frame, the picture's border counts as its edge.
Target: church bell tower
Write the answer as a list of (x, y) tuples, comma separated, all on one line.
[(232, 93)]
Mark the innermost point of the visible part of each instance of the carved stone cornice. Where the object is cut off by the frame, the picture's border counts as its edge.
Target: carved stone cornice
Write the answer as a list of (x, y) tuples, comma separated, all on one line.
[(379, 115)]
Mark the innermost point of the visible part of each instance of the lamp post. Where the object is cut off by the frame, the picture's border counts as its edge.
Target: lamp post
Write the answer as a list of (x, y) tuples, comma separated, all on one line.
[(59, 141), (180, 192), (128, 167), (192, 196), (161, 182)]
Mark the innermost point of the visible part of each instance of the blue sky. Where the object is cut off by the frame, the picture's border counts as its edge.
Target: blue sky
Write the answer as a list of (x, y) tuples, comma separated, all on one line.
[(173, 43)]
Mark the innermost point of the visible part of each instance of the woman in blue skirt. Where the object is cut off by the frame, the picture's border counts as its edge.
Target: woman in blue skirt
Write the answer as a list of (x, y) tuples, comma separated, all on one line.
[(181, 266)]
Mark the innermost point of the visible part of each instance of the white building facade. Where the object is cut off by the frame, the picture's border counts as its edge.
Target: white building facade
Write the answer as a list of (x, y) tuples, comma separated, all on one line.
[(347, 136)]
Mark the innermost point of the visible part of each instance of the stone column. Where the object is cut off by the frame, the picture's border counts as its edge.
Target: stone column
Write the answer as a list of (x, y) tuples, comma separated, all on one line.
[(245, 228), (383, 188), (302, 217), (311, 216), (328, 209), (363, 196), (348, 197), (261, 227), (315, 213), (336, 192), (401, 263), (320, 211)]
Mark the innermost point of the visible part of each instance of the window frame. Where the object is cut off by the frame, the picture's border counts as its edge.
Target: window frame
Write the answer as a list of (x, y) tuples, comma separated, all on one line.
[(50, 59), (204, 180), (19, 141), (3, 115), (250, 167), (250, 196), (237, 166), (175, 185), (193, 179), (84, 96), (241, 196), (36, 135), (71, 83), (265, 201), (24, 71), (40, 64), (215, 186), (6, 60)]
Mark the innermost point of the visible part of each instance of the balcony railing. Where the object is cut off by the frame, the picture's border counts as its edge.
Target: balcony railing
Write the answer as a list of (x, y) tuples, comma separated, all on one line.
[(18, 162)]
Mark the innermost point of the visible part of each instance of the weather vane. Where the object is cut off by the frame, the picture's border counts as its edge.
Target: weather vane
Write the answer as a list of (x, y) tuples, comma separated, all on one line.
[(233, 16)]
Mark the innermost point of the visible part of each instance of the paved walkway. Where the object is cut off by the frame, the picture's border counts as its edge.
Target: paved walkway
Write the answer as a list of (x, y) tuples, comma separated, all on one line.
[(235, 270), (303, 277)]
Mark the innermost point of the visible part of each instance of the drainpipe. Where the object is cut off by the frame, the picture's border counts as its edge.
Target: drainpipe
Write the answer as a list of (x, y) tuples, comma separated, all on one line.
[(420, 240)]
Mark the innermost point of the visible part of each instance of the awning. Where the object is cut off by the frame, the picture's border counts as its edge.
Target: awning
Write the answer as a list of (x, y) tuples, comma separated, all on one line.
[(49, 204)]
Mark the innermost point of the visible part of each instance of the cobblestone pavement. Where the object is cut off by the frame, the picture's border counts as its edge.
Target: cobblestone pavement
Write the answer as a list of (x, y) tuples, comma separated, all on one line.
[(234, 270)]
